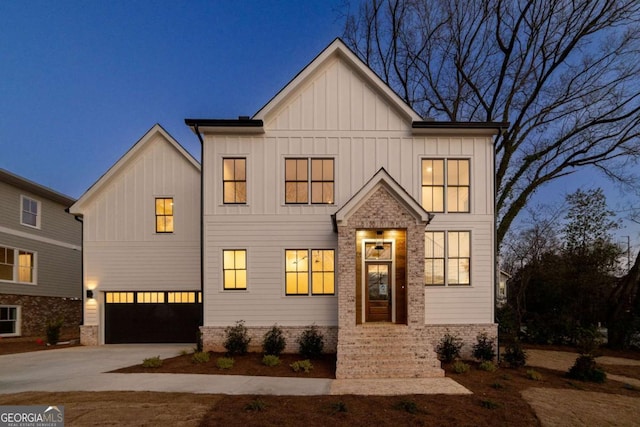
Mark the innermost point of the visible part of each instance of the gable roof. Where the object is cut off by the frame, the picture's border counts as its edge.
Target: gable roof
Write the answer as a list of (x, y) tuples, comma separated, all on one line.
[(338, 48), (137, 148), (35, 188), (381, 179)]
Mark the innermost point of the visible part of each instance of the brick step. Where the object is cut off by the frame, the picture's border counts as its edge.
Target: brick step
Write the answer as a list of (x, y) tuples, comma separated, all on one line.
[(382, 371)]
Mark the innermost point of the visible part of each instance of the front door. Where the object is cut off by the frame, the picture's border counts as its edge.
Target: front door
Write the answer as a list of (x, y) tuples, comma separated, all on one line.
[(378, 292)]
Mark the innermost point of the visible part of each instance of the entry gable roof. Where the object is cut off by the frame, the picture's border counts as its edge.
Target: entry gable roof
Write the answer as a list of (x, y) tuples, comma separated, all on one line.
[(337, 49), (134, 152), (382, 179)]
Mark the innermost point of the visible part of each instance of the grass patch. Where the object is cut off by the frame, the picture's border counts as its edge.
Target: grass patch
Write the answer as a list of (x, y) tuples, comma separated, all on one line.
[(224, 362), (152, 362), (302, 366)]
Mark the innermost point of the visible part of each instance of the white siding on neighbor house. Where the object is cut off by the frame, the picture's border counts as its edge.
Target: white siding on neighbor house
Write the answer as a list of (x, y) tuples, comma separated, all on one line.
[(264, 303)]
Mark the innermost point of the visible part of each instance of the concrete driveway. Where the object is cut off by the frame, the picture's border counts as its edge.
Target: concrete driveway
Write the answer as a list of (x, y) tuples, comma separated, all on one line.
[(83, 369)]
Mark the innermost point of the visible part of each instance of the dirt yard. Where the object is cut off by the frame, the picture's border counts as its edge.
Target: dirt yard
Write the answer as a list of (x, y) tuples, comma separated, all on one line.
[(503, 397)]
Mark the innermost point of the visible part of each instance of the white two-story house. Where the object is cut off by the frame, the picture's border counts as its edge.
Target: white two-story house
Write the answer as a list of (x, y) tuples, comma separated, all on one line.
[(337, 205)]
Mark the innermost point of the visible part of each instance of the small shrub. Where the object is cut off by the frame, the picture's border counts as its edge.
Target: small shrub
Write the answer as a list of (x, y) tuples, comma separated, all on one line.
[(407, 406), (224, 362), (514, 355), (534, 375), (237, 339), (497, 385), (489, 404), (198, 340), (185, 352), (200, 357), (487, 366), (255, 405), (459, 367), (311, 343), (274, 341), (339, 407), (302, 365), (586, 369), (484, 348), (270, 360), (53, 331), (449, 348), (506, 377), (152, 362)]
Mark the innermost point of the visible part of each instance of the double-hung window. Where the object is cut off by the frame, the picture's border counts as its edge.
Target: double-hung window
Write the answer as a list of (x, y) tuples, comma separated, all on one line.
[(234, 268), (29, 212), (234, 180), (164, 215), (17, 265), (310, 271), (445, 185), (9, 320), (309, 181), (447, 258)]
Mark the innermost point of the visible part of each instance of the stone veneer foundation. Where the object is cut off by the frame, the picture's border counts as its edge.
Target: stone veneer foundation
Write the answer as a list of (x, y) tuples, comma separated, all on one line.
[(89, 334), (37, 311)]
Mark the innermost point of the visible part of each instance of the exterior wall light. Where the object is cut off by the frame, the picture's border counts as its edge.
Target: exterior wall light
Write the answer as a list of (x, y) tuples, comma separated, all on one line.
[(90, 293)]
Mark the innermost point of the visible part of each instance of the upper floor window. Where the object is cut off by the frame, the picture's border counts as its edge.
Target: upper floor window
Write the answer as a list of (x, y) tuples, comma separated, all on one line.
[(234, 180), (309, 181), (447, 258), (317, 271), (234, 268), (17, 265), (445, 185), (164, 215), (29, 212)]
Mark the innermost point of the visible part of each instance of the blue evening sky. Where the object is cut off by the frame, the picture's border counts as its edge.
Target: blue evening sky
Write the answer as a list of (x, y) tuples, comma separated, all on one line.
[(81, 81)]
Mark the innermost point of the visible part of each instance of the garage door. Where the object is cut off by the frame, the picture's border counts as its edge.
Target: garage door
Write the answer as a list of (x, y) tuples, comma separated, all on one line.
[(152, 317)]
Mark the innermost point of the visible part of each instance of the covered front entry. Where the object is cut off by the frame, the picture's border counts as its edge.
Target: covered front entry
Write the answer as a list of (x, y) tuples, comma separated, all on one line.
[(152, 317)]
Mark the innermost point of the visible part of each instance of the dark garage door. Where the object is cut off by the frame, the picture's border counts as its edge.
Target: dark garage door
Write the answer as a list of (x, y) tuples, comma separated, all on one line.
[(152, 317)]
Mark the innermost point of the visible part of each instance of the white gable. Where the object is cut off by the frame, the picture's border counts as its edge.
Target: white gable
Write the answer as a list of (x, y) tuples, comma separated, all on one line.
[(337, 91)]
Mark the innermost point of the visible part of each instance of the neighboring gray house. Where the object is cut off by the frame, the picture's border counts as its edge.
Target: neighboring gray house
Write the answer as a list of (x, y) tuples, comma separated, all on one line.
[(40, 258)]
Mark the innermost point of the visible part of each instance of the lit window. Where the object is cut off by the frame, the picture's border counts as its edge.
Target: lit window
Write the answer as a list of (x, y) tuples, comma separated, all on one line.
[(234, 181), (164, 215), (23, 271), (29, 212), (9, 320), (182, 297), (119, 297), (235, 268), (320, 271), (309, 176), (457, 184), (150, 297), (447, 258)]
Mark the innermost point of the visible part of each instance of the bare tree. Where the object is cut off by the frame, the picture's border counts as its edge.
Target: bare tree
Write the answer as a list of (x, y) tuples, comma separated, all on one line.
[(564, 73)]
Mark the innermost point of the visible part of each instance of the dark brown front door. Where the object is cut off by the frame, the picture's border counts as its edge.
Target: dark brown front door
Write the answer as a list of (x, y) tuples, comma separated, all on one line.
[(378, 302)]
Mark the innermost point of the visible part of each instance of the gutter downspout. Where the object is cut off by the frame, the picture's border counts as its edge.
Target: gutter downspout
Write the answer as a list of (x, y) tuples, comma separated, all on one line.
[(197, 131), (82, 297)]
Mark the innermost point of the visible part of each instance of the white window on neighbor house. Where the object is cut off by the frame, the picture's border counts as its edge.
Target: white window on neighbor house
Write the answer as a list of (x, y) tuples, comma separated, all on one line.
[(164, 214), (447, 258), (234, 269), (310, 271), (17, 265), (309, 181), (9, 320), (29, 212), (234, 181), (445, 185)]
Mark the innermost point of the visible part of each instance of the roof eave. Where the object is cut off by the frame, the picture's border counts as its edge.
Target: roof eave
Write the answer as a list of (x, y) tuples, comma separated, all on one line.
[(35, 188), (226, 126), (458, 128)]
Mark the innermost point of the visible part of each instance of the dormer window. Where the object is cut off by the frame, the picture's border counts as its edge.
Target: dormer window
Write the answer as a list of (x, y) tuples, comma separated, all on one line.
[(29, 212)]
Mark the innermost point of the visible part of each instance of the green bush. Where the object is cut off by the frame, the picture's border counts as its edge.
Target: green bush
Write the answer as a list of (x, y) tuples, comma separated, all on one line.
[(302, 365), (237, 339), (586, 369), (459, 367), (489, 404), (274, 341), (408, 406), (255, 405), (339, 407), (449, 348), (514, 355), (487, 366), (534, 375), (497, 385), (224, 362), (311, 343), (200, 357), (484, 348), (270, 360), (53, 331), (152, 362)]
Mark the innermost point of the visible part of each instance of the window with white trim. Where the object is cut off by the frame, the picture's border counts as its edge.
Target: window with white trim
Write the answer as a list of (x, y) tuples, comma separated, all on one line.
[(29, 212), (445, 185), (17, 265), (310, 271), (447, 258), (9, 320)]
